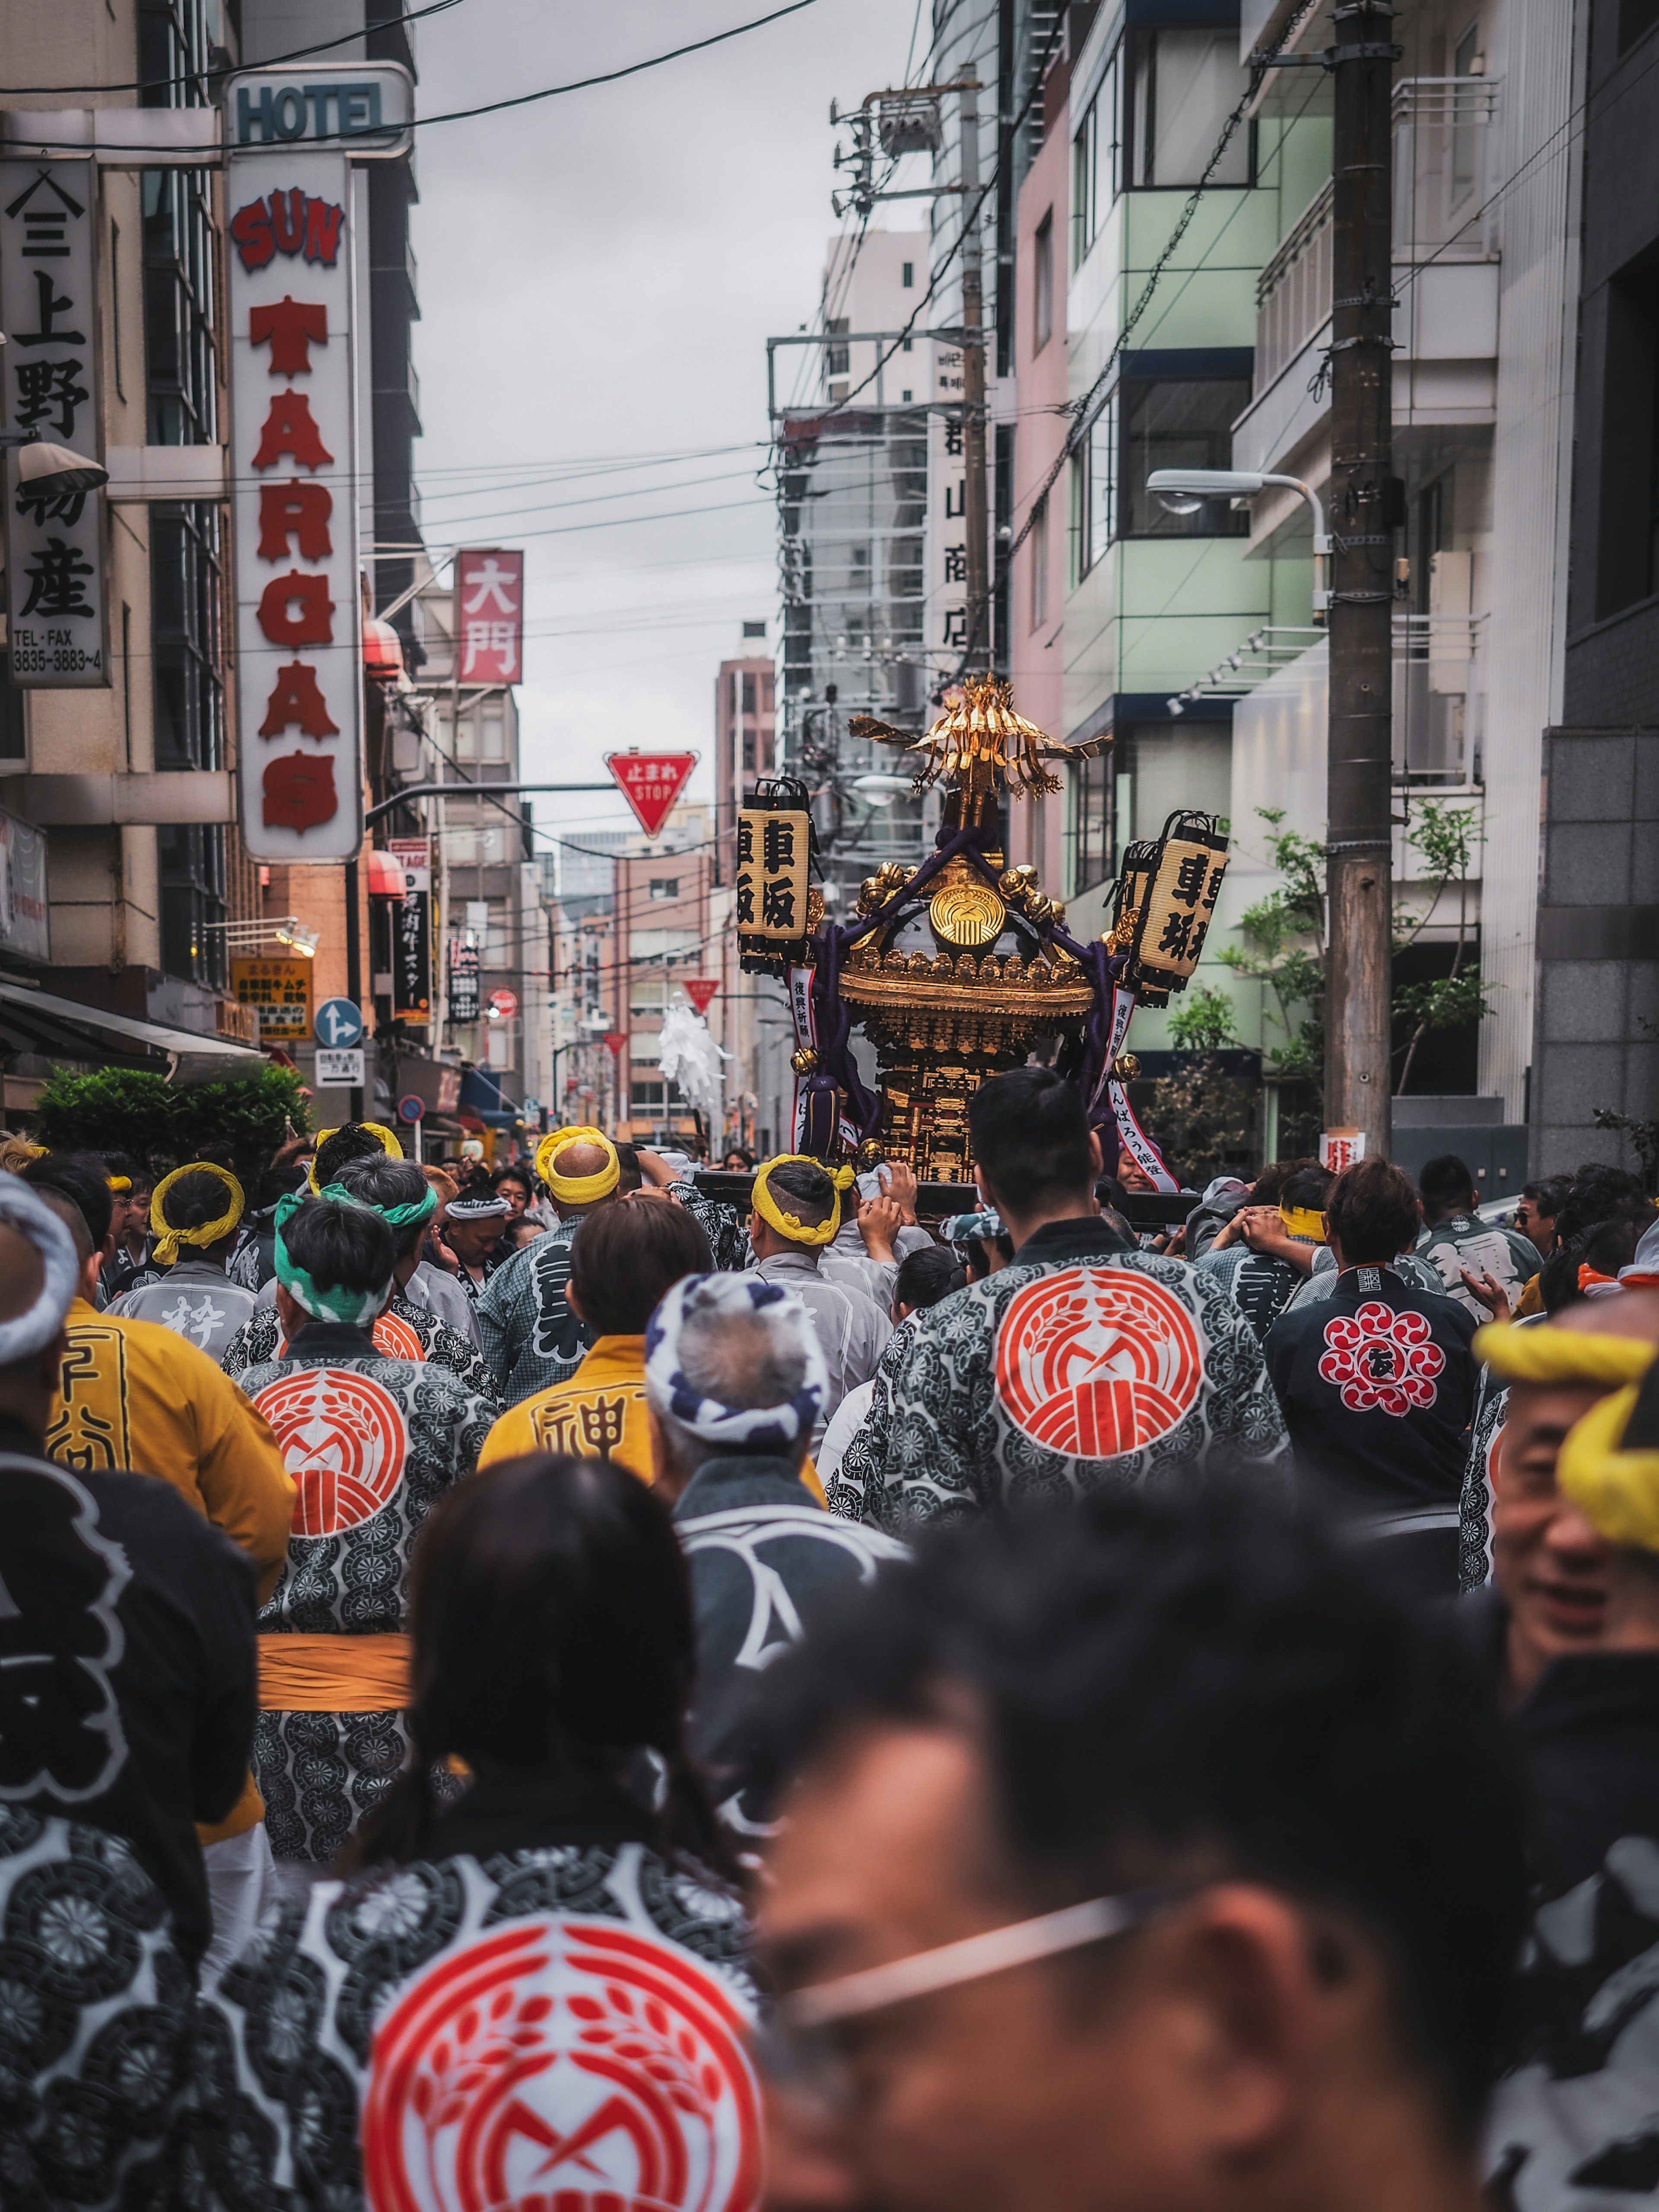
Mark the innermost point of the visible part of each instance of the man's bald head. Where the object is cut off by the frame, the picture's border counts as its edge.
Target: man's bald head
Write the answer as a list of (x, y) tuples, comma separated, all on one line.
[(581, 1158)]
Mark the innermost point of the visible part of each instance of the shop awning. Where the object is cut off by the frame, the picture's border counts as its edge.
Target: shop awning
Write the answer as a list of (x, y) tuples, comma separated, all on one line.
[(41, 1022)]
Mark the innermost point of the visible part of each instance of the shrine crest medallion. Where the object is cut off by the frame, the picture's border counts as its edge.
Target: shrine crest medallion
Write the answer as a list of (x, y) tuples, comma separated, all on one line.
[(561, 2066), (343, 1439), (395, 1338), (1095, 1361)]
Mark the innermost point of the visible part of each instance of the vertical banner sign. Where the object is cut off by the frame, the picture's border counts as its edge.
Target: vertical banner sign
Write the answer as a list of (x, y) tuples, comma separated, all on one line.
[(489, 588), (463, 981), (293, 463), (411, 932), (55, 585)]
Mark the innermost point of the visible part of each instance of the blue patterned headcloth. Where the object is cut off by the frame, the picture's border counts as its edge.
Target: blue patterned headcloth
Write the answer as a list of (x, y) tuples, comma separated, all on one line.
[(746, 1428)]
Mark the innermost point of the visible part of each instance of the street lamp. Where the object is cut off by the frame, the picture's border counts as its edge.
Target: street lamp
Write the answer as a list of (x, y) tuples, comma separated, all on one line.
[(1183, 490), (882, 790)]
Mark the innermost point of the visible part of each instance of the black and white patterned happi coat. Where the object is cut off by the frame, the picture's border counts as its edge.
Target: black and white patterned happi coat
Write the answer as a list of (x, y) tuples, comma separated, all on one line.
[(94, 2021), (554, 2027), (1081, 1364), (373, 1444), (403, 1331)]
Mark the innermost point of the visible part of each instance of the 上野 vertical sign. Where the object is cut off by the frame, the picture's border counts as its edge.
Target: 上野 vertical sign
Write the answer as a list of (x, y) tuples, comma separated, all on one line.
[(55, 595), (490, 586), (292, 453)]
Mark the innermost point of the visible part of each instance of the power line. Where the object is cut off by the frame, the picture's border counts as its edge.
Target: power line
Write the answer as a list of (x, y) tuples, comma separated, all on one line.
[(272, 61)]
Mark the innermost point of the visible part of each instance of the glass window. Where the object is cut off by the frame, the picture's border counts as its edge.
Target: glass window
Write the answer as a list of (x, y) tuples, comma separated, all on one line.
[(648, 994), (1468, 61), (1182, 86), (648, 1098), (665, 887), (748, 695), (1180, 424), (13, 743), (1040, 563), (1094, 493), (1091, 823), (908, 275), (1095, 179), (1044, 268), (187, 634), (494, 734), (835, 358), (191, 858)]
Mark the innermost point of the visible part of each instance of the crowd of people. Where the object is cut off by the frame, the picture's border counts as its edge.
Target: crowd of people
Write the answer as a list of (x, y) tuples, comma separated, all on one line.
[(552, 1691)]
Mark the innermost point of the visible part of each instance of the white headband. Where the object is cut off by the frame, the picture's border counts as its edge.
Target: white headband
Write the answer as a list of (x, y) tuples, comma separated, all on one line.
[(23, 1209), (751, 1427)]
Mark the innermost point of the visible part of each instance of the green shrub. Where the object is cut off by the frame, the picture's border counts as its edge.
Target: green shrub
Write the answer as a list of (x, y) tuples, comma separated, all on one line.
[(163, 1125)]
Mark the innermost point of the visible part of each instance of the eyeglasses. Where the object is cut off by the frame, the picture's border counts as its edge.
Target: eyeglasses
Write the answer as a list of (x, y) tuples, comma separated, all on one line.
[(801, 2046)]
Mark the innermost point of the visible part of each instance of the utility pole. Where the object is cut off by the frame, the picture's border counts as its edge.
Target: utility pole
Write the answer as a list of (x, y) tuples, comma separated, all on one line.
[(1363, 517), (975, 512)]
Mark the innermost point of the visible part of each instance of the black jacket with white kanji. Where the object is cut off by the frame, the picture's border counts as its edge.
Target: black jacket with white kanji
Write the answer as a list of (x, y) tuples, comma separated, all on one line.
[(1377, 1384), (1081, 1364)]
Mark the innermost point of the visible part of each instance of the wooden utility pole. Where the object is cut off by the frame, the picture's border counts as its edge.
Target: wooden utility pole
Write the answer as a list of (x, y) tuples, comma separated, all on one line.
[(1363, 517), (977, 515)]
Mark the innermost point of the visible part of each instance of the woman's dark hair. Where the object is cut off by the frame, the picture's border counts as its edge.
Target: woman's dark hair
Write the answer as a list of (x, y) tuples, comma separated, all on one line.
[(1605, 1247), (79, 1177), (632, 1174), (745, 1158), (625, 1259), (552, 1624), (1372, 1211), (382, 1182), (1598, 1194), (340, 1247), (195, 1199), (1307, 1185), (927, 1275), (350, 1142)]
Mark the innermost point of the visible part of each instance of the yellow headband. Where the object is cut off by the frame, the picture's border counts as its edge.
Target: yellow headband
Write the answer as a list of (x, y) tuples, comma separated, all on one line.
[(169, 1239), (578, 1190), (1543, 1354), (119, 1182), (1617, 1490), (791, 1225), (1303, 1221), (389, 1146)]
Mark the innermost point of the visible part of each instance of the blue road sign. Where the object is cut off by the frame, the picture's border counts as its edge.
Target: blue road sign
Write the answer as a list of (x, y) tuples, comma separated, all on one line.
[(339, 1024), (410, 1108)]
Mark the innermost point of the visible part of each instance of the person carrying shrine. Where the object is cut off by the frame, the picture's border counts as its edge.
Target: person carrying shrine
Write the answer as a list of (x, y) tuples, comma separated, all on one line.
[(131, 1263), (624, 1259), (126, 1711), (474, 1222), (530, 1338), (795, 1215), (1264, 1253), (538, 1995), (1085, 1363), (434, 1287), (401, 1194), (1377, 1385), (372, 1442), (198, 1209)]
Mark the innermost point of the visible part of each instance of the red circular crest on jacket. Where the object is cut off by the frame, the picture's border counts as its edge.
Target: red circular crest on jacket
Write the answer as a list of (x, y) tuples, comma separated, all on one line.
[(1097, 1361), (561, 2066), (395, 1338), (1382, 1361), (343, 1439)]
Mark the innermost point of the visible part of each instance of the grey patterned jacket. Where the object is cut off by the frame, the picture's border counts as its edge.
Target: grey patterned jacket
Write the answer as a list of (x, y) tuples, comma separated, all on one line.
[(1081, 1364)]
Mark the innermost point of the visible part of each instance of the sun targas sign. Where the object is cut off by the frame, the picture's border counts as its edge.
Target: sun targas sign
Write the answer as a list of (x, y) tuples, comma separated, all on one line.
[(292, 461)]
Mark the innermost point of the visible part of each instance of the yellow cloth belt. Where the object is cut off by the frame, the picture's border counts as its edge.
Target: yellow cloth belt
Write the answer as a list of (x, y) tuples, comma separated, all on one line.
[(578, 1190), (1547, 1355), (247, 1813), (791, 1225), (1303, 1221), (304, 1674)]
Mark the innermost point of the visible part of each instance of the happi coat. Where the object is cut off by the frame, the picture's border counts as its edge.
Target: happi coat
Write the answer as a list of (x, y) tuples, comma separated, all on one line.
[(373, 1444), (541, 2012), (531, 1338), (404, 1331), (1083, 1363), (1259, 1284), (598, 1412), (1461, 1241), (195, 1300)]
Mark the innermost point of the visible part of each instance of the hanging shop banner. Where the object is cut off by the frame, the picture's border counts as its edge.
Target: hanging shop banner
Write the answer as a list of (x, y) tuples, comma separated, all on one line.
[(279, 991), (411, 958), (292, 461), (463, 981), (364, 109), (489, 593), (23, 905), (55, 586)]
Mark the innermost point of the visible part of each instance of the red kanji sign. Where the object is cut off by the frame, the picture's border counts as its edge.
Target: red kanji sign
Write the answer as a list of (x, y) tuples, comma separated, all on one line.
[(651, 782), (700, 989), (490, 586)]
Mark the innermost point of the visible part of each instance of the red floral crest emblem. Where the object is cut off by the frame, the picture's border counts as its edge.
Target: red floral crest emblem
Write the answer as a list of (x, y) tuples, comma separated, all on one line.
[(561, 2066), (395, 1338), (1382, 1361), (344, 1441), (1097, 1361)]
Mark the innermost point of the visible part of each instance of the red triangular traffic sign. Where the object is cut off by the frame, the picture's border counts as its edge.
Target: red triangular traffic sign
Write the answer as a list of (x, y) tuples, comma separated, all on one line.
[(700, 989), (651, 782)]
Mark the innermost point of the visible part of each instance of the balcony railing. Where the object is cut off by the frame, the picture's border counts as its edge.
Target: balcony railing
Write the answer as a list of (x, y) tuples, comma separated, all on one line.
[(1442, 140)]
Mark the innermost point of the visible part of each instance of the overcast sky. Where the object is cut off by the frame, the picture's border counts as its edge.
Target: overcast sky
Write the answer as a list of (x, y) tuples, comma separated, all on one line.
[(598, 274)]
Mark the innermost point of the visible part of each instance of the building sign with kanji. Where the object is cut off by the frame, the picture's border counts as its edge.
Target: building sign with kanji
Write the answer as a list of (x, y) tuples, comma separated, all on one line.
[(411, 932), (489, 614), (279, 991), (55, 594), (651, 782), (463, 980), (293, 464)]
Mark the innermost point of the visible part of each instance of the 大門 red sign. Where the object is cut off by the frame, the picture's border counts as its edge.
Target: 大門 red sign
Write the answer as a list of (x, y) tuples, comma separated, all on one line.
[(489, 590), (651, 782)]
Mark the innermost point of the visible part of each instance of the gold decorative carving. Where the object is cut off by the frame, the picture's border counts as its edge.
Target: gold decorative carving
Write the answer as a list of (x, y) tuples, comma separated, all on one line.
[(967, 913)]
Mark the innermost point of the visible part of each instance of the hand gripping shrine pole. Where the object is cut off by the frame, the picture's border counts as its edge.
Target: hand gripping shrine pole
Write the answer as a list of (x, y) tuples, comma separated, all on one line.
[(954, 970)]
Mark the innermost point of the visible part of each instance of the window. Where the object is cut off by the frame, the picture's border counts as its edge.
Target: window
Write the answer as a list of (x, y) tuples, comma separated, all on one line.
[(1627, 538), (836, 358), (1040, 563), (1094, 493), (1184, 423), (187, 634), (180, 370), (1636, 17), (12, 728), (647, 995), (648, 1098), (1468, 61), (1043, 271), (1091, 823), (907, 276), (191, 859), (665, 887), (493, 732), (1096, 179), (1182, 86), (748, 695)]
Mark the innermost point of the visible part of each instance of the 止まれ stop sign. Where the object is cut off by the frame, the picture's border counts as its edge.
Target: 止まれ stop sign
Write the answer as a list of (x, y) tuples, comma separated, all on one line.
[(651, 782)]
